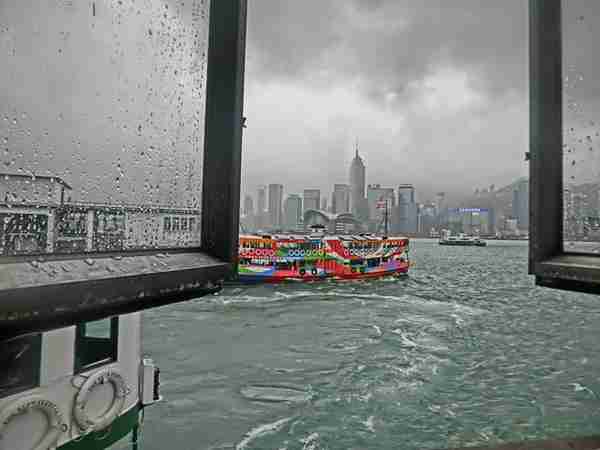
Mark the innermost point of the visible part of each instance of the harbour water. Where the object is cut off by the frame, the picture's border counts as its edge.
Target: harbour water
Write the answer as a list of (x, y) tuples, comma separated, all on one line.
[(465, 350)]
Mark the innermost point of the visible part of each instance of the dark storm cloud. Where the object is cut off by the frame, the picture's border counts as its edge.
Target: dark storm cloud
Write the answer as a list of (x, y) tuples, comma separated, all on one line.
[(389, 43)]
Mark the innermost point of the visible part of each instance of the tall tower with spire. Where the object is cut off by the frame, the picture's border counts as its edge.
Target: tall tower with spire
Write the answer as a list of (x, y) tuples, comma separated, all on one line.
[(357, 185)]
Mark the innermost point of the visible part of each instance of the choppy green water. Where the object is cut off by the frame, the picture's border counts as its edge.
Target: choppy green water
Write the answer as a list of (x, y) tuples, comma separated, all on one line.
[(464, 351)]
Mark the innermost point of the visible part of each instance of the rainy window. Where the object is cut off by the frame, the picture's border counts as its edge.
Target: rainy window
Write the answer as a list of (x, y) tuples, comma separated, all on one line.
[(101, 125), (95, 343), (581, 127), (20, 362)]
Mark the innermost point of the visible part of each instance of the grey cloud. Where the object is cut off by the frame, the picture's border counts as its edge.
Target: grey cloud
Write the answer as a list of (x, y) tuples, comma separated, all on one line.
[(389, 43)]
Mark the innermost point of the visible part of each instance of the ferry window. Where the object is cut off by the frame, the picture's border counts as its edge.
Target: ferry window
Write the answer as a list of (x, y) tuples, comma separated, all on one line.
[(167, 224), (153, 141), (192, 224), (175, 223), (20, 360), (96, 343), (184, 224)]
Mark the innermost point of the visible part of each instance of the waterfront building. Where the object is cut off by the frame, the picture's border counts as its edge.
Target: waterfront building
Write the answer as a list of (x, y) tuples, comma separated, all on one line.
[(472, 220), (344, 223), (324, 204), (312, 199), (275, 205), (292, 212), (427, 218), (340, 202)]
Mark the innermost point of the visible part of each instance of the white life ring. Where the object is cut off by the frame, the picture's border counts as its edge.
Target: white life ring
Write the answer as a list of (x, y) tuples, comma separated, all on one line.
[(101, 377), (56, 424)]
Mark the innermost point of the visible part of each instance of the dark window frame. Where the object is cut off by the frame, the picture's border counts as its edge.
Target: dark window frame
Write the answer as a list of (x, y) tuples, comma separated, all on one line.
[(36, 369), (36, 295), (78, 346), (548, 261)]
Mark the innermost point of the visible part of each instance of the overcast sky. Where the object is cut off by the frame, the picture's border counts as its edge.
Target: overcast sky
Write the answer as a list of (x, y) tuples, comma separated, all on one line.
[(435, 91)]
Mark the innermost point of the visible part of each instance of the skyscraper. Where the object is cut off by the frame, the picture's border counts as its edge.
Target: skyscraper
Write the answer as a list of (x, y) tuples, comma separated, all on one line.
[(440, 203), (275, 205), (312, 199), (521, 204), (406, 217), (261, 216), (375, 194), (406, 193), (340, 199), (248, 205), (292, 212), (357, 187), (441, 210), (262, 200)]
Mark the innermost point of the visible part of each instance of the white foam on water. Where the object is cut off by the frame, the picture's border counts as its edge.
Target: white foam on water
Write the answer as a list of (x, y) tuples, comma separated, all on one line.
[(405, 340), (579, 388), (260, 431), (311, 442), (378, 330), (370, 424), (275, 394)]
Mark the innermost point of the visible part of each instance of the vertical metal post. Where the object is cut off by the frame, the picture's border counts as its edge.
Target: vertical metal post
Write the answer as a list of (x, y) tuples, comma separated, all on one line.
[(223, 129), (134, 438), (545, 125)]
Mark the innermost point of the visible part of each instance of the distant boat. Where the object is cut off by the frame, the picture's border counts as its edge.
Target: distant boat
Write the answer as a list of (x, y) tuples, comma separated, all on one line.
[(462, 240)]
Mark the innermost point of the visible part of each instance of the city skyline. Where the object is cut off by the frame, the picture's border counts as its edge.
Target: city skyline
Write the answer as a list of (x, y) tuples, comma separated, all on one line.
[(357, 206)]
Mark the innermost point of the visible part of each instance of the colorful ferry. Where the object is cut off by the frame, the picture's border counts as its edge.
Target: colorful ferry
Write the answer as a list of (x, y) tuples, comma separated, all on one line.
[(277, 258)]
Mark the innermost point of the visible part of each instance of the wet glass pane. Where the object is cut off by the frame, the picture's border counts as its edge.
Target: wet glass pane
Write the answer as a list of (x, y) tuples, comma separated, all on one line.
[(581, 126), (101, 124)]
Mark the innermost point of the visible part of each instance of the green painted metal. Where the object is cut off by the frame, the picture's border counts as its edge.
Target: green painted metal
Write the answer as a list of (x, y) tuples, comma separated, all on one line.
[(99, 440)]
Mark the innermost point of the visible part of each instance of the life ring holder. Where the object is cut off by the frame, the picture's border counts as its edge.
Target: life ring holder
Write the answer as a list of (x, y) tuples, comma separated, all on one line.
[(56, 424), (85, 423)]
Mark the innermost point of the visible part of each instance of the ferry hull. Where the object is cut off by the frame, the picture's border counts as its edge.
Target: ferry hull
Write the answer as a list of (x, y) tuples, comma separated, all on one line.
[(374, 274), (257, 278)]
